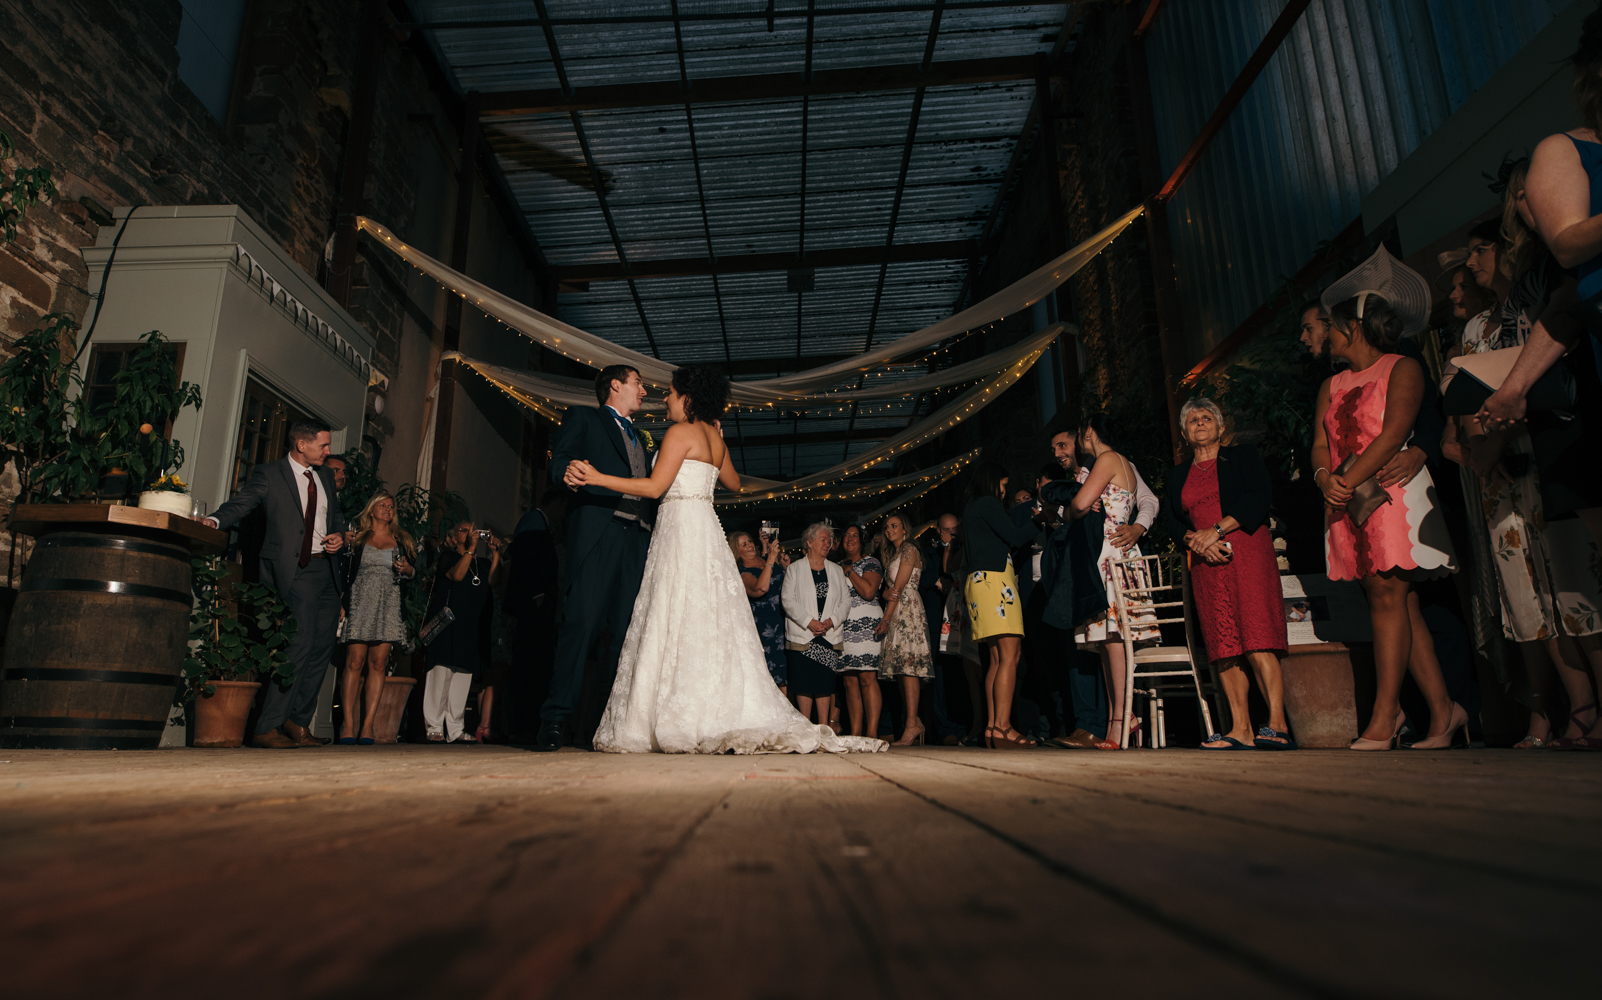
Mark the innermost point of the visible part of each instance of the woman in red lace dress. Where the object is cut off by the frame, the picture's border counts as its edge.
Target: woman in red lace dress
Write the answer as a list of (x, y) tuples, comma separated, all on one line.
[(1218, 503)]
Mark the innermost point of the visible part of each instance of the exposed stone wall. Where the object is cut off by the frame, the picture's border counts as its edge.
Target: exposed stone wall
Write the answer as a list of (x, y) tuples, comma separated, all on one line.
[(90, 89)]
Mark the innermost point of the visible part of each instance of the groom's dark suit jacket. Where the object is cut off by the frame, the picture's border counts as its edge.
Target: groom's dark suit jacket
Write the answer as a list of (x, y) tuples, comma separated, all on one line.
[(594, 436)]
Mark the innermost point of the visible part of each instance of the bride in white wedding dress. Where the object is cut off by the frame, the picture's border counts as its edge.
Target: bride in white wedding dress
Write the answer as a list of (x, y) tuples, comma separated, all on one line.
[(692, 677)]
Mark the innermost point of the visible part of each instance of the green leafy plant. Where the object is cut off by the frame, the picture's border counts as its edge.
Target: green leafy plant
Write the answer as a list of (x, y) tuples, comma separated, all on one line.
[(237, 631), (1268, 394), (27, 187), (60, 445), (361, 482), (40, 390), (146, 396)]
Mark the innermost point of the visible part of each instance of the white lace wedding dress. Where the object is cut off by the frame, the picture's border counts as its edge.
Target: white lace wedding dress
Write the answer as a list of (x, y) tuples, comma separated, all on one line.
[(692, 677)]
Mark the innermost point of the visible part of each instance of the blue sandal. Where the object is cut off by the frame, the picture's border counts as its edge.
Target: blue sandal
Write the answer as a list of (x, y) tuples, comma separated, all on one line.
[(1266, 740), (1233, 744)]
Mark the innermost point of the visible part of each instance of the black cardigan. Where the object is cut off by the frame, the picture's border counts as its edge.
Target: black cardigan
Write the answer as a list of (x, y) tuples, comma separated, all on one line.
[(1244, 491), (989, 535)]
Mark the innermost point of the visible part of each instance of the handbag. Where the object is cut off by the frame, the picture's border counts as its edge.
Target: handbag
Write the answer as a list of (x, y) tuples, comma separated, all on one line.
[(437, 624), (1367, 496), (1480, 375)]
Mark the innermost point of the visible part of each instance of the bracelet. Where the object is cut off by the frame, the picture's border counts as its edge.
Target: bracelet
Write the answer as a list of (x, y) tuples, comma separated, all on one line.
[(1219, 527), (1317, 471)]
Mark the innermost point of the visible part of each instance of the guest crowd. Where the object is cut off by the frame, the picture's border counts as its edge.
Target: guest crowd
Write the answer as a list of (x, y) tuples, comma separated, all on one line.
[(1015, 599)]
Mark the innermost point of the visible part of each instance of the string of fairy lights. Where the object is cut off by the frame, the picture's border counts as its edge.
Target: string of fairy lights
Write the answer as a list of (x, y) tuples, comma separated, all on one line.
[(941, 472), (974, 393), (405, 252)]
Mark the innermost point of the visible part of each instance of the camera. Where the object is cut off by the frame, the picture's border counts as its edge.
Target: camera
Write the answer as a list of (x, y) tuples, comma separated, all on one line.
[(483, 534)]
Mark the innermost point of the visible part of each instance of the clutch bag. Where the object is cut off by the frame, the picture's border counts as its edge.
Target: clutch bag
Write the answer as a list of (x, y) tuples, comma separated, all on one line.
[(1367, 496), (436, 625)]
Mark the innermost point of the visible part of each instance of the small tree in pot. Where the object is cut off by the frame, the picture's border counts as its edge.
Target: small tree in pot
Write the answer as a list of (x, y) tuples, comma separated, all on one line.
[(227, 657)]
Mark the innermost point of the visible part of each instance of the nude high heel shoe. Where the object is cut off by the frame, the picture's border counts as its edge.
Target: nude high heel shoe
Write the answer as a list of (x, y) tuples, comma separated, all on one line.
[(1388, 744), (1444, 741)]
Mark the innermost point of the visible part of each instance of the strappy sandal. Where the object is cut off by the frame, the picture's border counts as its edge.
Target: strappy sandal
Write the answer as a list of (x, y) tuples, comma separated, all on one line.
[(1006, 742), (1532, 742), (1572, 742), (991, 734)]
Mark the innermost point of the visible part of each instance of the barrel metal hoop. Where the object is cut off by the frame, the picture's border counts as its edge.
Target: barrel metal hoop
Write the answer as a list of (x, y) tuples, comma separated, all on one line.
[(120, 544), (72, 674), (108, 587), (68, 722)]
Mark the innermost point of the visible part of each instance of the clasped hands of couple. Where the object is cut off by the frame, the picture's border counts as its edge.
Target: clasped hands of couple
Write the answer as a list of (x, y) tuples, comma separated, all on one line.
[(579, 473)]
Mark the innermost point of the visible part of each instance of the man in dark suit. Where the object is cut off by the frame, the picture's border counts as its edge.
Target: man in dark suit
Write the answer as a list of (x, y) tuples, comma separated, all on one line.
[(304, 530), (608, 535)]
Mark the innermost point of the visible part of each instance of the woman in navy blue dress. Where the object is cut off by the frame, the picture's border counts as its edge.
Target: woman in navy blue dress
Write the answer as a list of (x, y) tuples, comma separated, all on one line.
[(763, 575)]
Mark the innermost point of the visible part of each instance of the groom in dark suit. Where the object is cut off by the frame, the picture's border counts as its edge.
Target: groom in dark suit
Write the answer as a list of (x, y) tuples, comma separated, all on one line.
[(304, 530), (608, 535)]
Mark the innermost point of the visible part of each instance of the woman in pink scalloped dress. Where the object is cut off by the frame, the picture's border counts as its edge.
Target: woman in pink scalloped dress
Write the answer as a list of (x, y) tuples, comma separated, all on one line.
[(1366, 413)]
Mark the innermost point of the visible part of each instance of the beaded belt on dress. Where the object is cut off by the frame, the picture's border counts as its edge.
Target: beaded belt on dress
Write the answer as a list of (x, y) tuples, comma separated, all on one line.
[(686, 496)]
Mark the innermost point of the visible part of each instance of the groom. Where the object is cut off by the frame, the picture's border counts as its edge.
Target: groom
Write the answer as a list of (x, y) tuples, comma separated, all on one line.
[(608, 535)]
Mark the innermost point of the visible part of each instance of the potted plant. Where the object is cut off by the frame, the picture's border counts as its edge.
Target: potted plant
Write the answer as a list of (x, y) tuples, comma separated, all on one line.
[(228, 658)]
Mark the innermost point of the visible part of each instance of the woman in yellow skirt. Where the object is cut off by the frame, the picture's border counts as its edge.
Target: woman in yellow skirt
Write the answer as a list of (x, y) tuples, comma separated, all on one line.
[(990, 588)]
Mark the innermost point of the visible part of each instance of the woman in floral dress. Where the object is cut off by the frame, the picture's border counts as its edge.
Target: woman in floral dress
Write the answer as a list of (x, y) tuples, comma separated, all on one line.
[(905, 650), (1111, 482), (1551, 582), (859, 661)]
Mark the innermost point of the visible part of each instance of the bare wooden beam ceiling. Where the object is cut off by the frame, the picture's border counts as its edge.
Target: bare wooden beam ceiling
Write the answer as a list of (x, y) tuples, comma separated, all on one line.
[(750, 263), (727, 89)]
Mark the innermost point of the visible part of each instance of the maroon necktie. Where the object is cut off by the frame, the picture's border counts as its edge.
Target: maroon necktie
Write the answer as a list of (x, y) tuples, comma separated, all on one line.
[(311, 519)]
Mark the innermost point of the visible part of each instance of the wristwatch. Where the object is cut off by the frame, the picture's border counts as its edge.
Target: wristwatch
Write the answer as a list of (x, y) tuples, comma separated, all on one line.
[(1219, 527)]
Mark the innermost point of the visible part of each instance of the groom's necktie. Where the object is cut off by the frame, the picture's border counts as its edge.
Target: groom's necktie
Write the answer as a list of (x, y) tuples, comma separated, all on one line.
[(625, 423)]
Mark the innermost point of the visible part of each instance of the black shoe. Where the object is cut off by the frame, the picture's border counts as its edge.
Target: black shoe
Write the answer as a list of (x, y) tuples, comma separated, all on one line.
[(550, 737)]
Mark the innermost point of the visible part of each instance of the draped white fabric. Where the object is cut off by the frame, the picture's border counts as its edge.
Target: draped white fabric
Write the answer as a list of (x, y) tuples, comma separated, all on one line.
[(927, 478), (560, 392), (935, 424), (598, 352)]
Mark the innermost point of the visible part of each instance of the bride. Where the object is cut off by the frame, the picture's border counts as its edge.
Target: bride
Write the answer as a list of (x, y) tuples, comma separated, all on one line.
[(692, 677)]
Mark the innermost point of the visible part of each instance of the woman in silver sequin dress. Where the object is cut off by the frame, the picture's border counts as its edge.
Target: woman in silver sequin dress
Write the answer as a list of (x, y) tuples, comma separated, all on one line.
[(378, 566)]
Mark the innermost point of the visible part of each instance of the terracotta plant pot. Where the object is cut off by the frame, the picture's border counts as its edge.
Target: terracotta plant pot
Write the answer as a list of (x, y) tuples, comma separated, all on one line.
[(220, 718), (386, 722)]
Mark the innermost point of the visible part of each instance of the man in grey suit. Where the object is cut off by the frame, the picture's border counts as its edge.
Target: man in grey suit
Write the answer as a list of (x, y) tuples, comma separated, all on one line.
[(304, 530)]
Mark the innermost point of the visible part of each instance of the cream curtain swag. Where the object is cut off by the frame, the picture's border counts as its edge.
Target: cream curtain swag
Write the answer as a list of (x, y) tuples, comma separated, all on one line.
[(598, 352)]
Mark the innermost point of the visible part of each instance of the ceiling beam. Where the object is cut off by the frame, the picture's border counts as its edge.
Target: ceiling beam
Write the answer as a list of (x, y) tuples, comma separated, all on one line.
[(807, 437), (770, 14), (769, 367), (743, 89), (753, 263)]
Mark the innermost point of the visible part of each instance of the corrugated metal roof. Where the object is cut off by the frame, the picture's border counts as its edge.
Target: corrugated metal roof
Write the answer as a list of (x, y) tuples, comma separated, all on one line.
[(751, 164), (1356, 87)]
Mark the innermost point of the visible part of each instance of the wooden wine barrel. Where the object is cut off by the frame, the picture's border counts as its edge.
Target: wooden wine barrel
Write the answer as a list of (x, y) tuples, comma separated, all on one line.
[(98, 635)]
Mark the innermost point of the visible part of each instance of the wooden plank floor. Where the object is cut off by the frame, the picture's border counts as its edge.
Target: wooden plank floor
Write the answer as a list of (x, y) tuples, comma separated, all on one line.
[(420, 871)]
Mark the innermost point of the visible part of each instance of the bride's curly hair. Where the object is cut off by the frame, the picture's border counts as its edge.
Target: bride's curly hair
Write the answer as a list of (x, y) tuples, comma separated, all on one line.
[(705, 391)]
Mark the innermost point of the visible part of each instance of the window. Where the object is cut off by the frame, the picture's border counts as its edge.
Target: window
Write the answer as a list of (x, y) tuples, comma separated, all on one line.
[(263, 437), (105, 361), (263, 430), (208, 49)]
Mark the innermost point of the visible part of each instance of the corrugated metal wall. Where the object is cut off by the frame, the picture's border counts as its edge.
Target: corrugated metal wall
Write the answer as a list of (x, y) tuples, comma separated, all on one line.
[(1357, 86)]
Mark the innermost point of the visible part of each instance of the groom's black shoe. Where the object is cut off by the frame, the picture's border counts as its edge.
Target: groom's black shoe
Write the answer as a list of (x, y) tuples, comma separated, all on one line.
[(550, 737)]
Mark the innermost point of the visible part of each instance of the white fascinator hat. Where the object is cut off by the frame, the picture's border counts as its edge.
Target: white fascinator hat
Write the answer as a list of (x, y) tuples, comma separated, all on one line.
[(1407, 292)]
